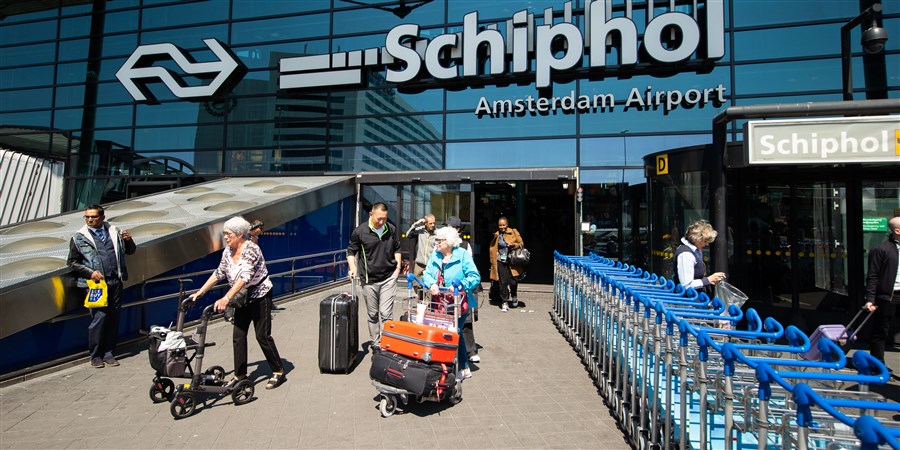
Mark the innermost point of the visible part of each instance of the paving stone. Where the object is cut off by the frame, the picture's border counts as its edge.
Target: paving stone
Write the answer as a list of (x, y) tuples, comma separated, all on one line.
[(529, 391)]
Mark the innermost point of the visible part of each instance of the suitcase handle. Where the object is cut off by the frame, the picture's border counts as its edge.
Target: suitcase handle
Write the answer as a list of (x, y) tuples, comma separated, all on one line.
[(861, 325)]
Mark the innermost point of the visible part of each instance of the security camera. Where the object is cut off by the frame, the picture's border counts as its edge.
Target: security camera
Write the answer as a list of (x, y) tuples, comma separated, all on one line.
[(873, 39)]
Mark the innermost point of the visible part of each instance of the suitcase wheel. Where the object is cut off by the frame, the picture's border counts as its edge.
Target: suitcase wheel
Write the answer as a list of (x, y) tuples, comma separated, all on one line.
[(387, 405)]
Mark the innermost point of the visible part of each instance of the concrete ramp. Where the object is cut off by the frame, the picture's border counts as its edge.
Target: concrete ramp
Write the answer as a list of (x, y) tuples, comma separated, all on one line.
[(170, 228)]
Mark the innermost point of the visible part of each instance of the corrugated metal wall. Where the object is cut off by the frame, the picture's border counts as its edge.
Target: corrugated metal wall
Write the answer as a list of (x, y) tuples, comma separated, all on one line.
[(30, 187)]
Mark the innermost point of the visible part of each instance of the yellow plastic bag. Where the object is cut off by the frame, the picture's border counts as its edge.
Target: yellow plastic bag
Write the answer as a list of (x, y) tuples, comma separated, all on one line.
[(96, 295)]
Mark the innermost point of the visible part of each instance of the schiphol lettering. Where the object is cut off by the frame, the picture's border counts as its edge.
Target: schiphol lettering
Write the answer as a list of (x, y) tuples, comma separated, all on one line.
[(551, 47), (825, 147), (638, 99)]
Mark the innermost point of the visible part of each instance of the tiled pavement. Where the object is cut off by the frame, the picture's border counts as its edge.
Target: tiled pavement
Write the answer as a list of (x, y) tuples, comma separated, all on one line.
[(529, 391)]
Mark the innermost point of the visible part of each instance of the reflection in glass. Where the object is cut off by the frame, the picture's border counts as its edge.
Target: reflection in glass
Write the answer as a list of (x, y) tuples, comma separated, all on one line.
[(379, 158), (262, 31), (676, 200), (256, 8), (187, 13), (175, 138), (26, 77), (509, 154)]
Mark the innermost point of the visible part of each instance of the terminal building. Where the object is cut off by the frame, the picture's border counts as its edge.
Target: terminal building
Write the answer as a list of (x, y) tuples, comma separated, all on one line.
[(595, 126)]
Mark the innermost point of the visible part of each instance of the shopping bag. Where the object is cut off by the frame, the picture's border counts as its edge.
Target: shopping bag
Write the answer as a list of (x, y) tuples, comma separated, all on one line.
[(96, 294)]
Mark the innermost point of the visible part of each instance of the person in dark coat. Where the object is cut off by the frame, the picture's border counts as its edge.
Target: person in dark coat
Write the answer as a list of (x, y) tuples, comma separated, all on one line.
[(883, 287)]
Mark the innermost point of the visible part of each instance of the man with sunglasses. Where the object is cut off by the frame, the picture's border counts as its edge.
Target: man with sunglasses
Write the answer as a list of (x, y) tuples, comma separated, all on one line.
[(97, 251)]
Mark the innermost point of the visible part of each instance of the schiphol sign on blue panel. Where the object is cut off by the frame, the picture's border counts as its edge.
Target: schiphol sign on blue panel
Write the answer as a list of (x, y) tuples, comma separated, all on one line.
[(672, 41)]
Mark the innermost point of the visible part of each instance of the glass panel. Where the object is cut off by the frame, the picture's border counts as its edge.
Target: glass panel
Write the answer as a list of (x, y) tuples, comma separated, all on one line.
[(120, 45), (507, 154), (386, 129), (26, 76), (501, 10), (70, 96), (71, 73), (172, 114), (73, 49), (769, 43), (386, 17), (256, 8), (470, 126), (27, 119), (121, 21), (764, 12), (822, 241), (114, 116), (189, 137), (187, 37), (75, 27), (28, 32), (880, 201), (385, 158), (68, 119), (28, 54), (677, 200), (311, 26), (767, 246), (183, 14), (259, 56), (26, 99), (800, 76), (112, 93)]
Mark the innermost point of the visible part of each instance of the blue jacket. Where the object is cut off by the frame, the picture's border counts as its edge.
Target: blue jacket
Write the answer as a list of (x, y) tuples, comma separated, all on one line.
[(84, 259), (461, 267)]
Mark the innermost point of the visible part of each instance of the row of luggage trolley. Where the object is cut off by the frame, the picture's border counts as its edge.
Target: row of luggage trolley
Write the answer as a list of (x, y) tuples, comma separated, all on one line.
[(678, 373)]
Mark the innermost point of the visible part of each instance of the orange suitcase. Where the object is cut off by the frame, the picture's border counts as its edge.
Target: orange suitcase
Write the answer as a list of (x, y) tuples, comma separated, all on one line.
[(422, 342)]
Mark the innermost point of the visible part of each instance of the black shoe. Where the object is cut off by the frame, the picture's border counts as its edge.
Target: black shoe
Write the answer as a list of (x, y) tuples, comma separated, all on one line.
[(97, 363), (276, 380)]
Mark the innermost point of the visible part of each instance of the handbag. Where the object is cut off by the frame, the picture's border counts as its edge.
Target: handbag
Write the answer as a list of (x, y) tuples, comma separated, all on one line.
[(96, 294), (519, 256), (240, 300)]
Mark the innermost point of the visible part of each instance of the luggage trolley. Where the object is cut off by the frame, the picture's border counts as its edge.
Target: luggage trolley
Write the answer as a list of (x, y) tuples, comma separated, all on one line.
[(418, 357)]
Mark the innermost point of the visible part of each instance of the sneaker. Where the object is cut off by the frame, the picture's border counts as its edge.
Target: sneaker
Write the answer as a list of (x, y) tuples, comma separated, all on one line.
[(110, 361), (97, 363), (504, 307), (475, 358), (515, 303), (464, 374)]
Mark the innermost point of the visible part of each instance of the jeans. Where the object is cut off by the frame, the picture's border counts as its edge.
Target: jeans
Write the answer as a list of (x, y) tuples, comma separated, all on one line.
[(468, 334), (259, 311), (104, 328), (379, 305)]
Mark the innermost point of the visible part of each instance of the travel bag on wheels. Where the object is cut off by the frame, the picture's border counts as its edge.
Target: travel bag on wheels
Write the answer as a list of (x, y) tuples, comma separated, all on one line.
[(419, 378), (842, 335), (338, 331), (421, 342)]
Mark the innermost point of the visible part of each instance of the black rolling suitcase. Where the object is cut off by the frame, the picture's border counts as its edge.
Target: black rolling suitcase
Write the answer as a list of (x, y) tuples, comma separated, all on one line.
[(338, 331)]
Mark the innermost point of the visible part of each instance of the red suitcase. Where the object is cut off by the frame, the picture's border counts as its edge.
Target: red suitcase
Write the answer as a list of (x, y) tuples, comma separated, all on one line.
[(422, 342)]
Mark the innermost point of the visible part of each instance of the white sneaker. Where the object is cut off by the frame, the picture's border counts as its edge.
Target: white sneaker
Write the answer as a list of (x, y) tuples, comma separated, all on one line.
[(515, 303), (504, 307), (475, 358), (464, 374)]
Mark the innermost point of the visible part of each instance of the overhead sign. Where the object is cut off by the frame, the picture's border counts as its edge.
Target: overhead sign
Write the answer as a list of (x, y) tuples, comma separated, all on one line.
[(483, 54), (823, 141), (140, 69)]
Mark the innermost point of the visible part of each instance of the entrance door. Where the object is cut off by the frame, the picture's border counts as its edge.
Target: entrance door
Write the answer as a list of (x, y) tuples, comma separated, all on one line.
[(543, 211)]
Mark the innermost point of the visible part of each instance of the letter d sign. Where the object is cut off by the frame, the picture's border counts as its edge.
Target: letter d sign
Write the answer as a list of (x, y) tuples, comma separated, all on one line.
[(662, 165)]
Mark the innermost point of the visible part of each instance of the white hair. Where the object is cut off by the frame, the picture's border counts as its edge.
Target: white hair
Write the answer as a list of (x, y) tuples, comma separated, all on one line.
[(450, 235), (237, 225)]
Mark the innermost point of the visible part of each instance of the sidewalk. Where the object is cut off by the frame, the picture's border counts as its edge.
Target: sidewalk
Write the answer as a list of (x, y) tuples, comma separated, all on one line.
[(529, 391)]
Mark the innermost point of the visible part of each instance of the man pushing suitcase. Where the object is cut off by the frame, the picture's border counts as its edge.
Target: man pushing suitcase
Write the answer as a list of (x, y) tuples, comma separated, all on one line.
[(375, 246)]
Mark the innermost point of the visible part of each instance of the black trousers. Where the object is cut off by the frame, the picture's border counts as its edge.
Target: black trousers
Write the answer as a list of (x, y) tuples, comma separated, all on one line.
[(508, 285), (468, 333), (881, 326), (260, 313), (104, 328)]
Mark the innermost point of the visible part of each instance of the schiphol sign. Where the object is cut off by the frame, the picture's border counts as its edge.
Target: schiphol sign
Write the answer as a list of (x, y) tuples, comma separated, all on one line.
[(481, 54), (823, 141)]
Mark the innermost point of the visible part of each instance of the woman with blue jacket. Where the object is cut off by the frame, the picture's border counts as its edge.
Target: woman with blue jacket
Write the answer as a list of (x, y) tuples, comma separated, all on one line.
[(449, 263)]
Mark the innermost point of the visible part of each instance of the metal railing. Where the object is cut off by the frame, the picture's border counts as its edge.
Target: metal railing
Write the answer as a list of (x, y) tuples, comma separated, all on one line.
[(188, 278)]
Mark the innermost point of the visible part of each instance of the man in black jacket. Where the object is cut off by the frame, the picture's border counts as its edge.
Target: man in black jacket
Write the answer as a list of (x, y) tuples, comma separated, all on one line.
[(375, 246), (883, 287)]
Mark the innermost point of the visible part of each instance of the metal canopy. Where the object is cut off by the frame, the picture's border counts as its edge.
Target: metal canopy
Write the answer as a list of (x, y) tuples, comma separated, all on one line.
[(466, 176)]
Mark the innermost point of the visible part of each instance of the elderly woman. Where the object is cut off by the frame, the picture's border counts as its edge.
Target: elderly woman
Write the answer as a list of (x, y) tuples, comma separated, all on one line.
[(450, 263), (243, 266), (690, 271)]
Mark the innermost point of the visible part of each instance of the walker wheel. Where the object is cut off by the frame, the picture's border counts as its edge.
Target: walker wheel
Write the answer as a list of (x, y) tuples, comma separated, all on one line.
[(162, 390), (218, 373), (183, 405), (456, 397), (387, 405), (242, 392)]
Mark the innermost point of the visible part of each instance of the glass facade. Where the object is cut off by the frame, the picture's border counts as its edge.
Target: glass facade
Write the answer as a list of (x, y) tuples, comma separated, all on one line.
[(59, 93)]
